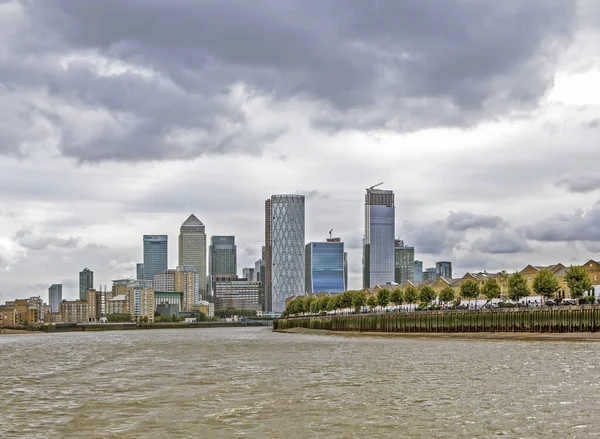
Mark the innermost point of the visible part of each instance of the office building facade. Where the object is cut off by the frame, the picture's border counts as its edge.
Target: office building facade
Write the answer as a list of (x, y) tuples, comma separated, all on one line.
[(237, 294), (155, 255), (222, 260), (248, 273), (285, 250), (324, 267), (192, 250), (86, 282), (55, 297), (418, 272), (165, 281), (430, 274), (404, 265), (378, 241), (139, 270), (444, 269), (187, 281)]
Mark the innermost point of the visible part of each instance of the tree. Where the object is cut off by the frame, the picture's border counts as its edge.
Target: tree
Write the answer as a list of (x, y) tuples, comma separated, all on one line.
[(345, 300), (383, 298), (469, 289), (323, 302), (545, 284), (411, 294), (372, 302), (314, 306), (427, 294), (447, 294), (578, 281), (490, 289), (359, 300), (397, 297), (517, 287)]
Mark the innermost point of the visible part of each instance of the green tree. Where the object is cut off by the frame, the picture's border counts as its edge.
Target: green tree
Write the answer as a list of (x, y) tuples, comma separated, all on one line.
[(314, 306), (397, 297), (411, 294), (469, 289), (490, 289), (578, 281), (359, 300), (323, 301), (447, 295), (427, 294), (383, 298), (517, 287), (545, 284), (372, 302)]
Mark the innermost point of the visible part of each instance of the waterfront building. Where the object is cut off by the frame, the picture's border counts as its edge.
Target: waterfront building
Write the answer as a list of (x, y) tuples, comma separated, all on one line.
[(119, 287), (378, 244), (222, 260), (325, 267), (187, 282), (418, 272), (96, 307), (86, 282), (55, 297), (155, 255), (404, 265), (165, 281), (285, 263), (192, 250), (140, 300), (117, 305), (74, 311), (169, 298), (248, 273), (237, 293), (139, 270), (443, 269)]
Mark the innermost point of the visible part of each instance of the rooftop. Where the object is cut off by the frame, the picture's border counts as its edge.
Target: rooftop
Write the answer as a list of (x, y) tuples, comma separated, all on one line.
[(192, 221)]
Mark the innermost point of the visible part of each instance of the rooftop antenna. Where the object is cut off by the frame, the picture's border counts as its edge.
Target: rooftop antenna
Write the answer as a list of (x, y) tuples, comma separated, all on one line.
[(330, 234), (374, 186)]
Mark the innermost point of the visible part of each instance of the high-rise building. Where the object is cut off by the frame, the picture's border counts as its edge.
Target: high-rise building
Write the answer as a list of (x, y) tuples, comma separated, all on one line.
[(325, 267), (86, 282), (248, 273), (268, 257), (259, 271), (155, 255), (192, 250), (404, 262), (237, 293), (140, 300), (55, 297), (284, 250), (222, 259), (418, 273), (165, 281), (444, 269), (187, 281), (139, 270), (378, 245), (430, 274), (346, 286)]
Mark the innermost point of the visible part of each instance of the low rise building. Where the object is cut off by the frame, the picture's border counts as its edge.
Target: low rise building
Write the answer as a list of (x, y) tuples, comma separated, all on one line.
[(74, 311), (168, 298)]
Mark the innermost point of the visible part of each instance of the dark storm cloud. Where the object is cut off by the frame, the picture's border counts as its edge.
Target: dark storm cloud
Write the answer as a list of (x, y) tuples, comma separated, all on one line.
[(581, 225), (35, 241), (400, 65), (580, 183)]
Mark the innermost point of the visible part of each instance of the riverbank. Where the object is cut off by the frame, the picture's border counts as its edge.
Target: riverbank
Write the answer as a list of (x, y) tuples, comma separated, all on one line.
[(572, 336)]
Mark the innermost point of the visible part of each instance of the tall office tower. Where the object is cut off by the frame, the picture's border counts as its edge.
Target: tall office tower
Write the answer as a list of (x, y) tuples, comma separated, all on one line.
[(430, 274), (324, 267), (346, 271), (267, 256), (55, 297), (139, 271), (86, 282), (248, 273), (378, 248), (187, 281), (222, 259), (404, 262), (285, 249), (192, 249), (155, 255), (418, 276), (259, 271), (444, 269)]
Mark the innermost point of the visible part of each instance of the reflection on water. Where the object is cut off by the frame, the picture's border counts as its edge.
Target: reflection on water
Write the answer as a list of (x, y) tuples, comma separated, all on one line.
[(250, 382)]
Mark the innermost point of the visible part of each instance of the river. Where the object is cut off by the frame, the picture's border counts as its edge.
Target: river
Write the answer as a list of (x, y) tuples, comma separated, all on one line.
[(253, 383)]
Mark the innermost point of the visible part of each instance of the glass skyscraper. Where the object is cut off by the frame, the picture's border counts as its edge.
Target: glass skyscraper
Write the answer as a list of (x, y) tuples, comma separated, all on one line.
[(378, 248), (284, 250), (418, 276), (222, 259), (139, 270), (155, 255), (444, 269), (404, 262), (325, 267), (86, 282)]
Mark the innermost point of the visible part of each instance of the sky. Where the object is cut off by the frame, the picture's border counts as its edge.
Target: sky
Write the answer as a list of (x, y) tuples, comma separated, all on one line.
[(119, 119)]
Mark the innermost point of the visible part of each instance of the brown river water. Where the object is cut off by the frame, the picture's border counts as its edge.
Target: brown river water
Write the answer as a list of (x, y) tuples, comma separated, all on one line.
[(253, 383)]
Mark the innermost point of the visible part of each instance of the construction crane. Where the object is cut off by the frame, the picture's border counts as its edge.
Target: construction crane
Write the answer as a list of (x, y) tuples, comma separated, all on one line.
[(330, 234), (374, 186)]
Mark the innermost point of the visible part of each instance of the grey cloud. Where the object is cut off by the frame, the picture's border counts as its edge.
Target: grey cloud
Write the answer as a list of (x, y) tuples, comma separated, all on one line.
[(581, 225), (185, 74), (460, 221), (580, 183), (502, 242), (35, 241)]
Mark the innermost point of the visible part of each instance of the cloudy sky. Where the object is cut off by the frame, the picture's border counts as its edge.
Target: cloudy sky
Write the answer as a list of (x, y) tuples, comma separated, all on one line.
[(122, 118)]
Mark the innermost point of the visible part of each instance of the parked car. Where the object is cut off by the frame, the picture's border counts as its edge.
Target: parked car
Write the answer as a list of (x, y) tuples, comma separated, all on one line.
[(490, 306), (568, 302), (550, 302), (461, 306)]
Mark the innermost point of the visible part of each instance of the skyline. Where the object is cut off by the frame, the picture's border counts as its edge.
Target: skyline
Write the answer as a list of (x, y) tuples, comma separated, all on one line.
[(492, 160)]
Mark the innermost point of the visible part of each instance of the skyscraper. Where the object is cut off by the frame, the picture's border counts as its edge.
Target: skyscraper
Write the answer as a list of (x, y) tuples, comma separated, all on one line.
[(222, 259), (86, 282), (268, 257), (284, 249), (155, 255), (444, 269), (187, 281), (55, 297), (418, 274), (325, 267), (378, 245), (404, 262), (139, 271), (248, 273), (192, 249), (430, 274)]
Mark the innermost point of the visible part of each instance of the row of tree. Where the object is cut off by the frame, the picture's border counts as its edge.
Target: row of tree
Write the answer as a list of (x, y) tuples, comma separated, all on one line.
[(544, 284)]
